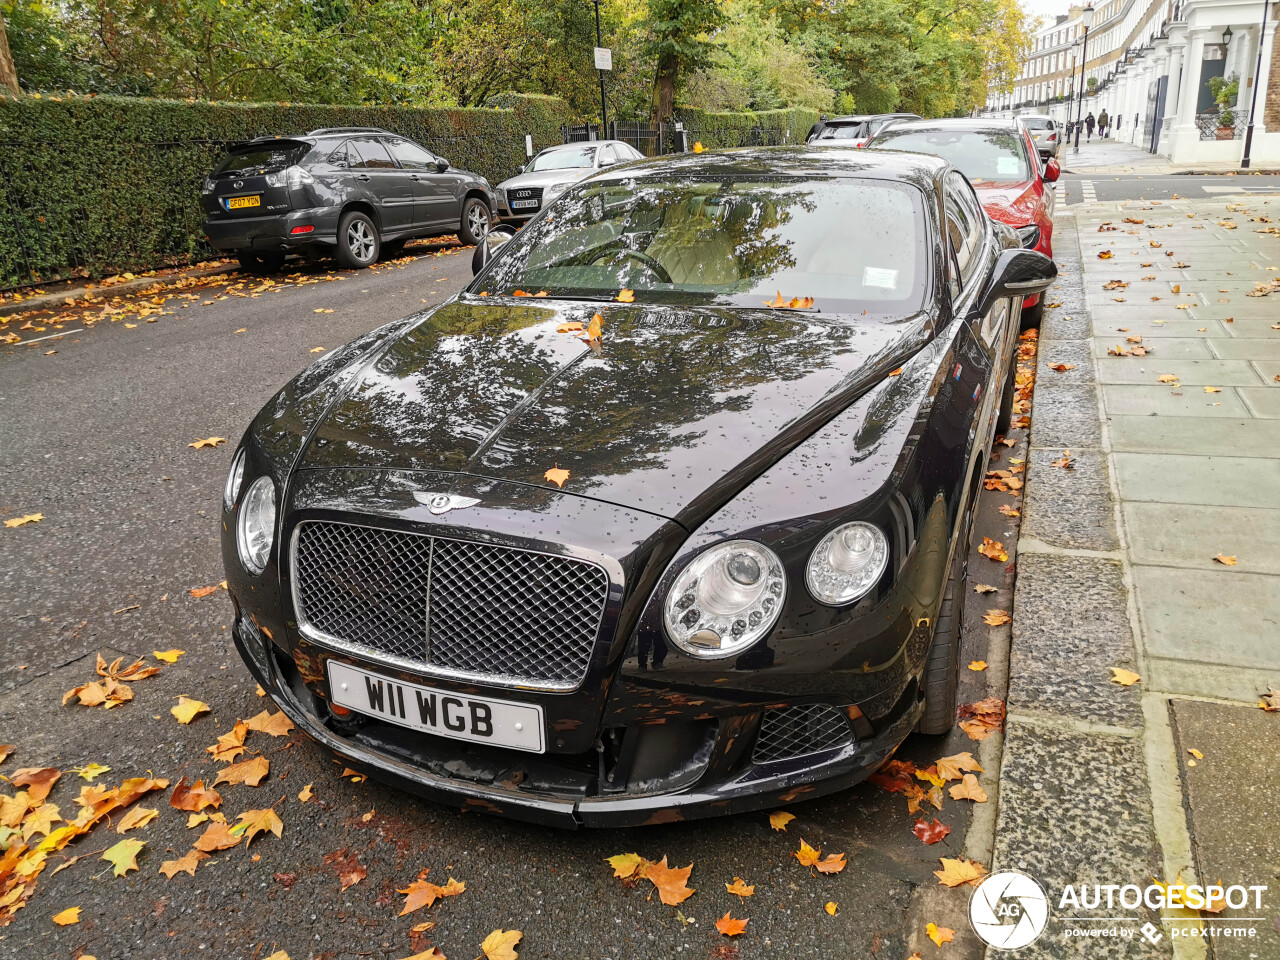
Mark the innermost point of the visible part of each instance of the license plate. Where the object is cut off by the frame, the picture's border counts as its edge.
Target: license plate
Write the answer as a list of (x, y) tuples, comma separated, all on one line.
[(501, 723), (524, 204), (237, 203)]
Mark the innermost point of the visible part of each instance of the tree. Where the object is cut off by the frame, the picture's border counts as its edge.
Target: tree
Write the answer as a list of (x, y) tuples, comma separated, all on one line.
[(679, 43), (8, 75)]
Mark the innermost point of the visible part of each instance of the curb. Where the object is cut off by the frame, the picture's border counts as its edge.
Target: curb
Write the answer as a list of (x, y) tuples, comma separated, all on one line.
[(51, 301)]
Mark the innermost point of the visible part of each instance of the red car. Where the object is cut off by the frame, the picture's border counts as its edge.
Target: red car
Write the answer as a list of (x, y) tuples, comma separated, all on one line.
[(1001, 161)]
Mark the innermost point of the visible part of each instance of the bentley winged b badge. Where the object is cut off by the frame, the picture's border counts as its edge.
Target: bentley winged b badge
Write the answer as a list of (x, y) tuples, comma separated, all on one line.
[(439, 503)]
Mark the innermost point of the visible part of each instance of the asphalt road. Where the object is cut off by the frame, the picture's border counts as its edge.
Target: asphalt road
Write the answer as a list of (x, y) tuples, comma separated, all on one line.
[(96, 437), (1100, 186)]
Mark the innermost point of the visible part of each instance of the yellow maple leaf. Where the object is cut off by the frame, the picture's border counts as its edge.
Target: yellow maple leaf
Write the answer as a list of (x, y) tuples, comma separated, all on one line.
[(807, 855), (557, 475), (91, 771), (67, 917), (626, 296), (258, 821), (1225, 560), (625, 864), (277, 725), (188, 709), (305, 793), (596, 328), (184, 864), (250, 772), (939, 935), (831, 907), (135, 818), (168, 656), (831, 863), (779, 819), (996, 618), (1126, 678), (740, 888), (208, 442), (977, 665), (670, 881), (23, 521), (955, 872), (124, 856), (969, 789), (501, 944)]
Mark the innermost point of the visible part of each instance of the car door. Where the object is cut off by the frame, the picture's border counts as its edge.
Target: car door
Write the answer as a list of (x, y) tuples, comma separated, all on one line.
[(388, 185), (435, 202)]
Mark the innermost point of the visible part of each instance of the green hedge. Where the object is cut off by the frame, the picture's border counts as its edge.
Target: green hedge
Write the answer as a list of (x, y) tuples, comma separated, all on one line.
[(767, 127), (91, 186)]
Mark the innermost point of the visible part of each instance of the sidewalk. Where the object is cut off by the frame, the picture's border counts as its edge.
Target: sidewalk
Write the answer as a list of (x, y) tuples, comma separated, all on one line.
[(1117, 569), (1111, 157)]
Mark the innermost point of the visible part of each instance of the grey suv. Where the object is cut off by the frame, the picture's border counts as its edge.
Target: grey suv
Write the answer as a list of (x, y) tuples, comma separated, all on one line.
[(356, 192)]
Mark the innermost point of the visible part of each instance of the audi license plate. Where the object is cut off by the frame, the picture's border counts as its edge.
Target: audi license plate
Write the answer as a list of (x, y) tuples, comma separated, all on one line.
[(238, 203), (502, 723), (524, 204)]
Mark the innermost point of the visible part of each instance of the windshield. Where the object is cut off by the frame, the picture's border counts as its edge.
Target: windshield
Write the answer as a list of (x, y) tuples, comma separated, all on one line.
[(979, 155), (849, 244), (571, 159), (1038, 123), (260, 160), (845, 131)]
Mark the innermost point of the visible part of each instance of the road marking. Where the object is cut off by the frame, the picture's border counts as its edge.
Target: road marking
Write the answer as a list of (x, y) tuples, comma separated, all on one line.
[(1086, 191), (1240, 189)]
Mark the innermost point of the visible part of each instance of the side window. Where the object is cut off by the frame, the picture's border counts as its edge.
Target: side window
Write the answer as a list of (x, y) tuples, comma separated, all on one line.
[(371, 153), (608, 155), (412, 156), (966, 225), (339, 157)]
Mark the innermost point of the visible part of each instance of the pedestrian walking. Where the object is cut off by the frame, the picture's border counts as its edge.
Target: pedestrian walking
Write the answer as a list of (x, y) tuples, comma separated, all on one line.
[(1089, 123), (1104, 120)]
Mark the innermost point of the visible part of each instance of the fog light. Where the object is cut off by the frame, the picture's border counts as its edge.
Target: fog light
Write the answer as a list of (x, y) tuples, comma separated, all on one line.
[(307, 229)]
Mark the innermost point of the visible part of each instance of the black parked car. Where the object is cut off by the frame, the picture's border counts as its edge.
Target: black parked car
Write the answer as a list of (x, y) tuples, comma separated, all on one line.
[(356, 192), (709, 560)]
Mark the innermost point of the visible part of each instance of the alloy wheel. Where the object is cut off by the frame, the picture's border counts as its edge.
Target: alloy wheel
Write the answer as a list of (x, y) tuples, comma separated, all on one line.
[(478, 220), (360, 241)]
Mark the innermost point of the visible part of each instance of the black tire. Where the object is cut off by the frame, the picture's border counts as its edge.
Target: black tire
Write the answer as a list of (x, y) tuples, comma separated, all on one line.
[(941, 672), (1032, 316), (391, 249), (477, 219), (358, 241), (1004, 419), (261, 262)]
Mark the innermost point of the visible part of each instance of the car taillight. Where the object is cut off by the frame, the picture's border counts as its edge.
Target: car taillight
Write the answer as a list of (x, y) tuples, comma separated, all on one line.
[(861, 143), (306, 229), (1053, 136)]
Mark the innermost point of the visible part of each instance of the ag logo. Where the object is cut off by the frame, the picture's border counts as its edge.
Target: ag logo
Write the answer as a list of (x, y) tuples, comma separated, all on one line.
[(1008, 910)]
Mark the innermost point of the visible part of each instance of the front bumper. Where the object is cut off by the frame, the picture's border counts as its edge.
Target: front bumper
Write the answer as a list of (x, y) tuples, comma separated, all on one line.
[(489, 782), (274, 233)]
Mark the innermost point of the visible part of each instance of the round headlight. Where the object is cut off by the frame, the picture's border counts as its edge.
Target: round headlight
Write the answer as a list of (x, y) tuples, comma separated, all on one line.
[(725, 600), (256, 527), (234, 479), (847, 563)]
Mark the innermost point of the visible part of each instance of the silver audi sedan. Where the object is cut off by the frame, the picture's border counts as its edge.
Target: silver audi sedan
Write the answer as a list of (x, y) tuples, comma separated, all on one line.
[(553, 171)]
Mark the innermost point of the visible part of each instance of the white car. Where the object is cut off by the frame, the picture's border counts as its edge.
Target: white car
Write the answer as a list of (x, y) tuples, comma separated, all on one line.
[(1046, 132), (553, 171)]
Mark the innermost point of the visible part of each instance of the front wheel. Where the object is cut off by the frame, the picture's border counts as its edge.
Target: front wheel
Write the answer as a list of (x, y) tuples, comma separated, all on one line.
[(475, 221), (941, 672), (358, 242)]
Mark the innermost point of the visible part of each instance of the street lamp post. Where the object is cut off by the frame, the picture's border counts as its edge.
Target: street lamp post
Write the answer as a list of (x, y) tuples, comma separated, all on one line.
[(1257, 72), (1086, 18), (604, 110)]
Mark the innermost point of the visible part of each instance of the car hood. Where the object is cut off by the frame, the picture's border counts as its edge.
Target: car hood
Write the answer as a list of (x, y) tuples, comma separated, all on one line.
[(545, 178), (1014, 203), (672, 412)]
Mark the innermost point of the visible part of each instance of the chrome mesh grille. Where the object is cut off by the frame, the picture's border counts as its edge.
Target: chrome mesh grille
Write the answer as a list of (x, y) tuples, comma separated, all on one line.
[(461, 607), (798, 731)]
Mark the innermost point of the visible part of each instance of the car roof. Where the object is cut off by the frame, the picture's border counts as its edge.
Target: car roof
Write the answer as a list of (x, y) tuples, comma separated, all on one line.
[(789, 161), (582, 143)]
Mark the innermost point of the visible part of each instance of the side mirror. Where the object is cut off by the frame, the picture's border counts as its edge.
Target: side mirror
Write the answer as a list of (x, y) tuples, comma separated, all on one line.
[(488, 248), (1017, 273), (1052, 170), (441, 165)]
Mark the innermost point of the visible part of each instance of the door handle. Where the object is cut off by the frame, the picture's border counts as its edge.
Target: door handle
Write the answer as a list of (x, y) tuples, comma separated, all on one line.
[(363, 178), (414, 177)]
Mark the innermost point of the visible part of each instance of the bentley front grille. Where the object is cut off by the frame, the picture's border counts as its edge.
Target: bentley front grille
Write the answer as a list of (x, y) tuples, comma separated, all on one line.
[(460, 608), (799, 731)]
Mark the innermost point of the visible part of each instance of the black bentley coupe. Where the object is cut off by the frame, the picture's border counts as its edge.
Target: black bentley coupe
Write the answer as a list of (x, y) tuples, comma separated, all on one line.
[(665, 515)]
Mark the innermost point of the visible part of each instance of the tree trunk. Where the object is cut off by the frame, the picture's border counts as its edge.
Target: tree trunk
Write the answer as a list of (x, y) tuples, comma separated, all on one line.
[(8, 74), (664, 88)]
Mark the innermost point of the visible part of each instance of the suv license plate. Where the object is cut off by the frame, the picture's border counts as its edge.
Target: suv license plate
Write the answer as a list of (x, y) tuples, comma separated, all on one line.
[(502, 723), (524, 204), (237, 203)]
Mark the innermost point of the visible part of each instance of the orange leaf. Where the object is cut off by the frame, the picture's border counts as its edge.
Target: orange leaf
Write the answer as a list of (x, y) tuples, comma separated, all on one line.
[(217, 836), (231, 744), (730, 927), (276, 726), (247, 771), (501, 944), (253, 822), (671, 882), (969, 789), (596, 327), (573, 326), (626, 296), (806, 854), (519, 293), (68, 916), (185, 864), (831, 863), (955, 766), (740, 888), (995, 618), (956, 872), (556, 475), (1126, 678), (422, 893), (831, 907), (977, 665), (1226, 561), (779, 819), (194, 798), (993, 550), (940, 935)]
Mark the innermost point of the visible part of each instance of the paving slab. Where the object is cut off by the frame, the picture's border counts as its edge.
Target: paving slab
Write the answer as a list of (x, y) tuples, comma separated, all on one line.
[(1074, 809), (1169, 534), (1166, 348), (1248, 348), (1069, 508), (1226, 373), (1156, 328), (1234, 837), (1209, 437), (1262, 402), (1073, 352), (1256, 309), (1225, 481), (1160, 401), (1224, 618), (1192, 678), (1070, 626)]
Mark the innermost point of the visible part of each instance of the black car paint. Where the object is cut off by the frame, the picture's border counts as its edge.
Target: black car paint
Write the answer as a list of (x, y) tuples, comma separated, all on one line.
[(857, 439), (334, 190)]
